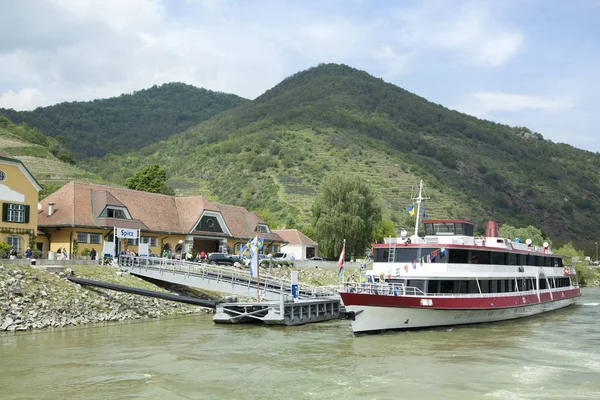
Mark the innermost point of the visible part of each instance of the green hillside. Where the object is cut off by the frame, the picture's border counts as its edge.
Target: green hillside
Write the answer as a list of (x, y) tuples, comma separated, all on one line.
[(128, 122), (270, 154), (39, 154)]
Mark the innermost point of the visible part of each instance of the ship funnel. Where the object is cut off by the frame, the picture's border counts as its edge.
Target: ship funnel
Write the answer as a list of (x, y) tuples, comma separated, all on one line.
[(491, 229)]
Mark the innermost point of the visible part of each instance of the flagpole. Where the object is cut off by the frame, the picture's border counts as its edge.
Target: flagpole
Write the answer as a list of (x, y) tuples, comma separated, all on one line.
[(258, 282), (419, 208)]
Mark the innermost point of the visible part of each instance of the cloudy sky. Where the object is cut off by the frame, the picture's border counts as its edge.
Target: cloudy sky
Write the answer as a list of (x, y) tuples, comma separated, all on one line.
[(527, 63)]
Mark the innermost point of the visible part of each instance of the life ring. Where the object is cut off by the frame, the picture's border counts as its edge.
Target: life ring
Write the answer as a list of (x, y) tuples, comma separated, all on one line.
[(567, 270)]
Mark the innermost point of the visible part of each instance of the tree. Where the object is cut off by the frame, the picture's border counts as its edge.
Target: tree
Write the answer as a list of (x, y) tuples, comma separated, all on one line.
[(384, 229), (151, 178), (531, 232), (344, 209)]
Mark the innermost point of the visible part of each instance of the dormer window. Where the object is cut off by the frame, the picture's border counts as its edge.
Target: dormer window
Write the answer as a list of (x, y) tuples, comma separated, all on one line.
[(263, 228), (115, 212), (209, 223)]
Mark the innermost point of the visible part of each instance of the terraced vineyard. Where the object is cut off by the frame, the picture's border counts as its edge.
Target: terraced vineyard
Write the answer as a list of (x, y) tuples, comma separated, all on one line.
[(50, 172)]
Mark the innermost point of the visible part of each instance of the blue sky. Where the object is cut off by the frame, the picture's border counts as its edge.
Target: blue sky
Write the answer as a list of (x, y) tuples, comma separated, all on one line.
[(523, 63)]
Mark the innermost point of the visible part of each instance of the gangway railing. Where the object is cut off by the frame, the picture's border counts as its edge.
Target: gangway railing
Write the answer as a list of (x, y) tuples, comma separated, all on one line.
[(223, 274)]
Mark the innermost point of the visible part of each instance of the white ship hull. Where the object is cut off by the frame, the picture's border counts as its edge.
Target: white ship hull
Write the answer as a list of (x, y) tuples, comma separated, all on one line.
[(381, 318)]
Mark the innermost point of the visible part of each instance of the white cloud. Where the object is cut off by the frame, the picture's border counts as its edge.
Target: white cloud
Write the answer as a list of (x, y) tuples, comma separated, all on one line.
[(469, 29), (484, 104), (25, 99)]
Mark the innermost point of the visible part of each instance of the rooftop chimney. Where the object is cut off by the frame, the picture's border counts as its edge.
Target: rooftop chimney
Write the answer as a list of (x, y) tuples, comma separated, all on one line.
[(51, 208), (491, 229)]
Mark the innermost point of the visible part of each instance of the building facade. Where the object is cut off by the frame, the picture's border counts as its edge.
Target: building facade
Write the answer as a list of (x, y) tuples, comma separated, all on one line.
[(19, 203), (299, 246), (82, 216)]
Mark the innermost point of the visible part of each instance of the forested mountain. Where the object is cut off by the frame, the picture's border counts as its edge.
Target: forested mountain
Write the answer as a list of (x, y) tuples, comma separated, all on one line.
[(43, 156), (270, 155), (128, 122)]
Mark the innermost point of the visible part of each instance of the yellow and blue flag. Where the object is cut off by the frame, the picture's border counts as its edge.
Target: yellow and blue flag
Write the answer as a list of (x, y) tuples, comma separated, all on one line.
[(411, 210)]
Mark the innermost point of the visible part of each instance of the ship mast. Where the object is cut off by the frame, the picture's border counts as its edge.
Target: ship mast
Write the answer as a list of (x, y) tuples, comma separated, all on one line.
[(419, 199)]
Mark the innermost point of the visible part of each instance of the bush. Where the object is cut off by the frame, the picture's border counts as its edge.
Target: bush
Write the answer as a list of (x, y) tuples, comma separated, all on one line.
[(85, 252)]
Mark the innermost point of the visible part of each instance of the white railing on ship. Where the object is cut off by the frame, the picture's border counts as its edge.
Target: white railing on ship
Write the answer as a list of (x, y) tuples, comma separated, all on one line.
[(222, 274), (392, 289)]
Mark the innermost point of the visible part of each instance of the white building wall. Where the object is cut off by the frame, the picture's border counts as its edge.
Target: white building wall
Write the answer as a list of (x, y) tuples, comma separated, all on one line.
[(298, 250)]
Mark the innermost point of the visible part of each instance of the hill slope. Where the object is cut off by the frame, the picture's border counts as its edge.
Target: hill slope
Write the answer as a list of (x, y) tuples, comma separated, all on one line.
[(270, 154), (130, 121), (37, 152)]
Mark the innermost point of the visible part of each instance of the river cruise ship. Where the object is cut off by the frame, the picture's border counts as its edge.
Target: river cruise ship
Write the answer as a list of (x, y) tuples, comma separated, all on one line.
[(451, 277)]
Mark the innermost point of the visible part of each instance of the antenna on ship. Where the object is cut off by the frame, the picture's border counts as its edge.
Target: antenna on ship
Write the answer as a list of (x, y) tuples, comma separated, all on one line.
[(419, 199)]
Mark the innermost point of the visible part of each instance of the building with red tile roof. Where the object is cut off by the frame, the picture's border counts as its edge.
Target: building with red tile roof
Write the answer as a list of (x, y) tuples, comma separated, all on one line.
[(87, 214), (298, 244)]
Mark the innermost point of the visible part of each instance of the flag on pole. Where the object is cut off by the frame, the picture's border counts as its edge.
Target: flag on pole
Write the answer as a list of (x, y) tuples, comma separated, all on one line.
[(261, 241), (246, 247), (341, 261), (254, 257), (424, 215), (411, 210)]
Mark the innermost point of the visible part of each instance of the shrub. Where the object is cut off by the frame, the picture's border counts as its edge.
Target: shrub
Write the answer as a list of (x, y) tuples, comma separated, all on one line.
[(85, 252)]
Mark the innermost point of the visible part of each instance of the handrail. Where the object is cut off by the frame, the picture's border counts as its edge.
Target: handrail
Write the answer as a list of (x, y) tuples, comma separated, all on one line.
[(221, 274), (395, 289)]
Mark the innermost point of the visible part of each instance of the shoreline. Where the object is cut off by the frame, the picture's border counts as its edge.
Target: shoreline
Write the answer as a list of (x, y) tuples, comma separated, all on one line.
[(34, 299)]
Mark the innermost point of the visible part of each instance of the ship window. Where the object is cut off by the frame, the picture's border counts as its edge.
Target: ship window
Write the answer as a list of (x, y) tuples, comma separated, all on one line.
[(404, 254), (446, 286), (512, 259), (485, 286), (458, 256), (461, 287), (529, 284), (498, 258), (521, 259), (473, 288), (540, 261), (433, 287), (558, 262), (480, 257), (547, 262), (416, 283)]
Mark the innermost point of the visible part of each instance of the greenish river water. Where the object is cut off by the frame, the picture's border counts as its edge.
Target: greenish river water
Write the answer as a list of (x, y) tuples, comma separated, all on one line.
[(553, 356)]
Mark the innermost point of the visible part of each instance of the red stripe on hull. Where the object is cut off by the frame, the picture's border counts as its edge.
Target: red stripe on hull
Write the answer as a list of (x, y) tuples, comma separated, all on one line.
[(455, 303)]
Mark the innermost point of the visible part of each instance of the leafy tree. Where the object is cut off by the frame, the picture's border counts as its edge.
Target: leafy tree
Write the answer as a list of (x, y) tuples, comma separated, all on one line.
[(530, 232), (152, 178), (384, 229), (576, 258), (345, 208)]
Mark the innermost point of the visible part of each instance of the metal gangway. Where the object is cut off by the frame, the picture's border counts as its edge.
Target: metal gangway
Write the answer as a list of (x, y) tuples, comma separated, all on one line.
[(218, 278)]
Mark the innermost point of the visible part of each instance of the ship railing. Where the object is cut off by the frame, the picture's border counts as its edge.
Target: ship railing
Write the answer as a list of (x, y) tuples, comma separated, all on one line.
[(394, 289)]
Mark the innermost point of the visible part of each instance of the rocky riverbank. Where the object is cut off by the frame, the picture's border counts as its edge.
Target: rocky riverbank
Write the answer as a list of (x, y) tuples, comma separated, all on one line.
[(33, 299)]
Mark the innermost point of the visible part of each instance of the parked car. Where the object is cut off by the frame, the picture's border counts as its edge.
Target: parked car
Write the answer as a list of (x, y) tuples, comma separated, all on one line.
[(223, 259), (260, 258), (317, 259), (283, 256)]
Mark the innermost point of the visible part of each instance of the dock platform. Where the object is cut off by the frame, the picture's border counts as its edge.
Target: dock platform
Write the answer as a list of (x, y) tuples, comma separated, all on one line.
[(283, 312)]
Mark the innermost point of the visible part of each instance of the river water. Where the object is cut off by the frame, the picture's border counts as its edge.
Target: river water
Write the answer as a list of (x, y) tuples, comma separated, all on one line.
[(552, 356)]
